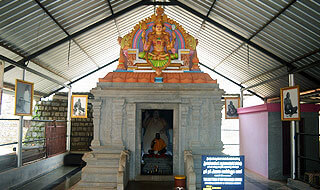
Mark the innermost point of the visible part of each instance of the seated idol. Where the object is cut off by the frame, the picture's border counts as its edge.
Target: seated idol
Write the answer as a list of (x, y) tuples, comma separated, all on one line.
[(163, 48), (158, 146), (160, 40)]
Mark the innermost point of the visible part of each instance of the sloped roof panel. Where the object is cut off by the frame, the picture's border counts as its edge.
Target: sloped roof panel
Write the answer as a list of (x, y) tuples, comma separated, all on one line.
[(245, 17), (12, 75), (200, 6), (119, 5), (130, 19), (40, 84), (9, 54), (314, 71), (188, 21), (57, 60), (26, 28), (293, 33), (76, 15)]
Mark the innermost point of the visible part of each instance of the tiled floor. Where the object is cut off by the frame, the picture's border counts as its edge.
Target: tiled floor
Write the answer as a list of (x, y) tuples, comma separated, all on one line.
[(254, 181), (65, 177), (150, 185)]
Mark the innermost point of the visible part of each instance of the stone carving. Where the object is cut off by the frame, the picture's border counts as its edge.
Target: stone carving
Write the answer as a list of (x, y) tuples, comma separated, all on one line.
[(158, 40)]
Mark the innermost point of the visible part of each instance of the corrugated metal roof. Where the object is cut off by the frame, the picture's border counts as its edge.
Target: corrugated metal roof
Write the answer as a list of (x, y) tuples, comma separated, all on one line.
[(288, 30)]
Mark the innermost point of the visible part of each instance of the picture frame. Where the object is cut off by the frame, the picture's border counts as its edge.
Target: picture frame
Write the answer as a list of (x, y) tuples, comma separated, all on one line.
[(290, 103), (23, 98), (79, 106), (231, 105)]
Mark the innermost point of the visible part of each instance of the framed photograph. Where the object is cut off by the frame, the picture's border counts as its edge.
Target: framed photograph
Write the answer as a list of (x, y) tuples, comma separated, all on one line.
[(231, 106), (23, 98), (79, 106), (290, 103)]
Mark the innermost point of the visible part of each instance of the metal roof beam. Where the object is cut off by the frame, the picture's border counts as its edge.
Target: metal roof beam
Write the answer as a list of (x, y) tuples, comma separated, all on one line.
[(65, 31), (274, 69), (70, 83), (256, 32), (11, 87), (76, 34), (203, 22), (8, 68), (160, 3), (211, 7), (232, 33), (114, 19), (231, 80), (32, 71), (297, 70), (21, 55), (238, 36)]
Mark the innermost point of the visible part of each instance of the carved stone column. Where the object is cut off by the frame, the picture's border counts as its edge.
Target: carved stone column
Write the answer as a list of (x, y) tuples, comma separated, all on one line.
[(195, 123), (131, 136), (96, 122), (217, 122), (117, 122), (183, 129)]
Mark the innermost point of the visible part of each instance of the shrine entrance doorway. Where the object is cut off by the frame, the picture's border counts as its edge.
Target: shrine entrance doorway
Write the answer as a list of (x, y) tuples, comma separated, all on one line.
[(143, 169), (156, 142)]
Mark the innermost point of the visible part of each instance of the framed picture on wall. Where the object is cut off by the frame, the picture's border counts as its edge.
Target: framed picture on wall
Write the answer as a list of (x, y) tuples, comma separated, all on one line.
[(79, 106), (23, 98), (290, 103), (231, 106)]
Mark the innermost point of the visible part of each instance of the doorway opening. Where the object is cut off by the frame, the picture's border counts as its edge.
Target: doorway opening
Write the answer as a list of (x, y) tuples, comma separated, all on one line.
[(157, 142)]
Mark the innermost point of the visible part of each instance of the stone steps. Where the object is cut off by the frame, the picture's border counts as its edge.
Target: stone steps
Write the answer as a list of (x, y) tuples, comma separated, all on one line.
[(98, 170), (95, 186), (107, 163), (101, 171), (99, 177)]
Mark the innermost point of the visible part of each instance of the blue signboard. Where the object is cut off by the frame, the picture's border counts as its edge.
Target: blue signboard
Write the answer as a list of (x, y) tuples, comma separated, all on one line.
[(222, 172)]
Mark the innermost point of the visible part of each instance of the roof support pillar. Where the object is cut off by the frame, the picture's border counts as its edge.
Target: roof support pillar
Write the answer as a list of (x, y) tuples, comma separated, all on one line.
[(241, 98), (68, 147), (20, 134), (293, 137)]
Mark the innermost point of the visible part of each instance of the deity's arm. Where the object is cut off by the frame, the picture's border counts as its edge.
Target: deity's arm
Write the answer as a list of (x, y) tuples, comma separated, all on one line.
[(149, 42), (143, 37), (173, 41), (167, 42)]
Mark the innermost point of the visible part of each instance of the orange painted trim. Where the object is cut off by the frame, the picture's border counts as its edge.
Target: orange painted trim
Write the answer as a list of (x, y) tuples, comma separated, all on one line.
[(148, 77)]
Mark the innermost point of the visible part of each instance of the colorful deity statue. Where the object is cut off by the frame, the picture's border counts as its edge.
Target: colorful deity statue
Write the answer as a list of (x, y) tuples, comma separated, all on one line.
[(158, 42)]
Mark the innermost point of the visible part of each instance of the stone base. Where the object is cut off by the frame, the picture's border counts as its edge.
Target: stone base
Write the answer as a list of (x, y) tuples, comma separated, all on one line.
[(101, 171)]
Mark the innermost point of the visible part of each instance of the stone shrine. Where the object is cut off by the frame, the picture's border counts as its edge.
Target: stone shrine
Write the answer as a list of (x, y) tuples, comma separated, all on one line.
[(158, 72)]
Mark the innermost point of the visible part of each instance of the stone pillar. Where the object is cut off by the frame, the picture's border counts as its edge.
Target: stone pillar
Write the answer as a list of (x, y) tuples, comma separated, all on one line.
[(217, 105), (195, 123), (96, 122), (131, 136), (183, 125), (117, 122)]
